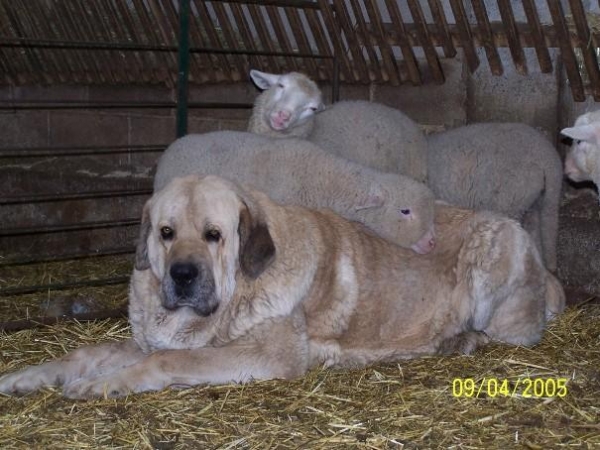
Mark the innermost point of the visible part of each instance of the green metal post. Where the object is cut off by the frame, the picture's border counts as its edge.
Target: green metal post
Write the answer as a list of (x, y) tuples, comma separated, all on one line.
[(183, 66)]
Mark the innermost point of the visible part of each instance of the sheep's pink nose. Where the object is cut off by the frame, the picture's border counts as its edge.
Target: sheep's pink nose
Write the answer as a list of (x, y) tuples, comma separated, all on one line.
[(283, 115)]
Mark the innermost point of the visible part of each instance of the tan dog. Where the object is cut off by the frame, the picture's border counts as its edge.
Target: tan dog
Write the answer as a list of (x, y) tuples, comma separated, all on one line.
[(229, 286)]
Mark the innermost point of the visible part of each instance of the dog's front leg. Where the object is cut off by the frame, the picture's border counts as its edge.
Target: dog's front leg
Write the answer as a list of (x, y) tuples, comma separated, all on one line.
[(281, 356), (88, 361)]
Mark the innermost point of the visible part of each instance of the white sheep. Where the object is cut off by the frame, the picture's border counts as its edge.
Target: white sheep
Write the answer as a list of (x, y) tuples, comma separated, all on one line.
[(300, 95), (382, 137), (505, 167), (295, 171), (583, 159), (509, 168)]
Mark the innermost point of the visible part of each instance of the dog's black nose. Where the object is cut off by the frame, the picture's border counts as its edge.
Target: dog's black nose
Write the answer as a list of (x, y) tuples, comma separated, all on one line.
[(183, 273)]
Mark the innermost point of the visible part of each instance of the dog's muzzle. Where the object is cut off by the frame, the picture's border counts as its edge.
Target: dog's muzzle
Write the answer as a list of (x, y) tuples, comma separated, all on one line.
[(192, 285)]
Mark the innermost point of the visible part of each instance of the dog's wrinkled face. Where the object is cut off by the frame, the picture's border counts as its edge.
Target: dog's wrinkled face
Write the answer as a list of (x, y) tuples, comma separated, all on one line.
[(194, 233)]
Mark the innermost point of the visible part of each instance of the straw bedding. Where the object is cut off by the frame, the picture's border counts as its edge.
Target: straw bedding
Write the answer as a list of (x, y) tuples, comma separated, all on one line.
[(409, 405)]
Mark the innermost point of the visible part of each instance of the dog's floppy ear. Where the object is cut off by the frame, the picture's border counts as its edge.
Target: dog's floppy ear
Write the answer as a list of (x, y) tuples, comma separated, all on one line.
[(141, 251), (257, 249)]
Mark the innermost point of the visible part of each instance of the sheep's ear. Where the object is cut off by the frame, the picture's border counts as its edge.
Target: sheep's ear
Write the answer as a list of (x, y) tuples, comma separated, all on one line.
[(141, 252), (375, 198), (588, 133), (257, 249), (263, 80)]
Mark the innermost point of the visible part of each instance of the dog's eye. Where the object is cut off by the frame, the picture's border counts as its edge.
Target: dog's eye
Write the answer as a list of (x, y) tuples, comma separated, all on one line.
[(167, 233), (212, 235)]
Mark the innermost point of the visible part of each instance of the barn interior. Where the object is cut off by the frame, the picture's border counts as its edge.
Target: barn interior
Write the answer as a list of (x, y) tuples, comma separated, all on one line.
[(91, 93)]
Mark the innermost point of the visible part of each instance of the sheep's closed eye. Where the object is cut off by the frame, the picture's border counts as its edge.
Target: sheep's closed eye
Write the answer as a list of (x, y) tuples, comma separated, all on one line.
[(167, 233)]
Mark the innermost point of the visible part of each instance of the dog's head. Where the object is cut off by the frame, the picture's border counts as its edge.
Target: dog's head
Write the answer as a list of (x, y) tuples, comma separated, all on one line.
[(196, 235)]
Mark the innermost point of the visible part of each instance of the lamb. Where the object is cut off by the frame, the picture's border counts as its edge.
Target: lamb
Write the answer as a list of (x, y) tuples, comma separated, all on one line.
[(505, 167), (295, 171), (583, 159), (509, 168), (370, 133)]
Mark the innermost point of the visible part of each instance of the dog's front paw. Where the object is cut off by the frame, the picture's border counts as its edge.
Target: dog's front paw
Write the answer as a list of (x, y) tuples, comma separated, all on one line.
[(27, 380), (100, 387)]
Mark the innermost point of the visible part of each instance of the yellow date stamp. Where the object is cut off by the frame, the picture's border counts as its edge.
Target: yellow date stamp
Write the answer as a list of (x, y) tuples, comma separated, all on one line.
[(519, 387)]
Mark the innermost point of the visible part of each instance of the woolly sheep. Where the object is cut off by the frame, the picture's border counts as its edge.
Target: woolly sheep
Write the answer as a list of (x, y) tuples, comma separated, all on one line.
[(381, 137), (583, 159), (505, 167), (295, 171), (509, 168)]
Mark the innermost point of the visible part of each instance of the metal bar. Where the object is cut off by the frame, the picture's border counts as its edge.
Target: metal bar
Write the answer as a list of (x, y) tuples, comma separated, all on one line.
[(63, 286), (46, 198), (414, 74), (167, 35), (385, 50), (588, 50), (487, 37), (48, 229), (78, 31), (566, 50), (335, 36), (152, 32), (320, 37), (430, 53), (439, 18), (118, 28), (42, 104), (37, 322), (293, 18), (98, 26), (537, 35), (464, 34), (26, 43), (525, 34), (202, 21), (263, 34), (301, 4), (281, 35), (361, 28), (5, 56), (335, 83), (136, 59), (339, 15), (66, 257), (36, 152), (245, 34), (26, 58), (35, 17), (512, 34), (183, 67)]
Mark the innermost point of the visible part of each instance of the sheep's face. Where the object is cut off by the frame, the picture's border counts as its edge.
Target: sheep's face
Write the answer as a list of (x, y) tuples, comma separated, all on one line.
[(401, 210), (291, 99), (583, 159)]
